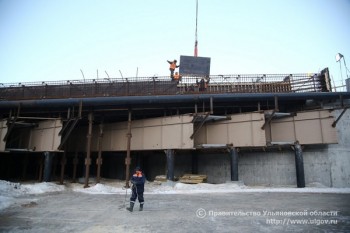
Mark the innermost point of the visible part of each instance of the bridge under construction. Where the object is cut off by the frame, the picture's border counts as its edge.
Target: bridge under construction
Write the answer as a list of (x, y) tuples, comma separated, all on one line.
[(230, 127)]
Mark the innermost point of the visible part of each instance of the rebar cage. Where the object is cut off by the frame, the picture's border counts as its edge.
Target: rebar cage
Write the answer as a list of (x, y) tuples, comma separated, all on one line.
[(165, 85)]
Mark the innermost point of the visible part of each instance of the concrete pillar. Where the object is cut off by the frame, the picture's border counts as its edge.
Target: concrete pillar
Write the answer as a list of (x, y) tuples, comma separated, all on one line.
[(48, 166), (24, 167), (40, 168), (194, 162), (75, 164), (63, 165), (170, 164), (347, 81), (299, 165), (234, 164)]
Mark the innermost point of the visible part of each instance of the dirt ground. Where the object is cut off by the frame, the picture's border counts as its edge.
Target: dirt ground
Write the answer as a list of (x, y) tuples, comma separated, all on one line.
[(70, 211)]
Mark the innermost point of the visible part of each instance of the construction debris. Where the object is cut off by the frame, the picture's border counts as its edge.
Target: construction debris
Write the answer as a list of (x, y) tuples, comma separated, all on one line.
[(193, 178)]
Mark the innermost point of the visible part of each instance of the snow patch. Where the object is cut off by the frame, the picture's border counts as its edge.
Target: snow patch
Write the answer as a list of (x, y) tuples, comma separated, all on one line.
[(9, 191), (45, 187), (100, 189)]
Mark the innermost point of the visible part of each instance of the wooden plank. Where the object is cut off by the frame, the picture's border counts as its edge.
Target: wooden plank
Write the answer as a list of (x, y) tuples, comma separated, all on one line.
[(193, 178)]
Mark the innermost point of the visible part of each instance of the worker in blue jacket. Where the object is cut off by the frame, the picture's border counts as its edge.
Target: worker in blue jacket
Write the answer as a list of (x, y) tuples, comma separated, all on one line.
[(138, 185)]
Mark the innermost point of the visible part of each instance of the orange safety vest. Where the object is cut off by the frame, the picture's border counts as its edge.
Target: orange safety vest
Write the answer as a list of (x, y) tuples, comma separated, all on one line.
[(138, 174), (177, 76)]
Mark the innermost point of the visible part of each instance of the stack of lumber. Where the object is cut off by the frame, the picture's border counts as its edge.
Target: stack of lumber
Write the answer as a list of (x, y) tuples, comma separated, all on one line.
[(160, 178), (193, 178)]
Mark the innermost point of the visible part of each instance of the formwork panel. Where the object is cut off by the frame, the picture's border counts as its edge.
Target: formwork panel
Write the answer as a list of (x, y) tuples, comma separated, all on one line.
[(308, 131), (241, 134), (172, 136), (311, 127), (243, 130), (282, 131), (152, 138), (217, 134), (329, 133), (3, 131), (149, 134), (117, 138), (45, 137)]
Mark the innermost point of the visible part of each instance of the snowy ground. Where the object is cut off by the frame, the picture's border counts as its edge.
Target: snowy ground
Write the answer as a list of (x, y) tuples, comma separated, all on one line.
[(9, 191)]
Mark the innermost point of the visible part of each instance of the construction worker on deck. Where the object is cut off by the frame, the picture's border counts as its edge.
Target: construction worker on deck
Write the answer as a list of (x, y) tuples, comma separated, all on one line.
[(203, 83), (138, 185), (177, 77), (172, 67)]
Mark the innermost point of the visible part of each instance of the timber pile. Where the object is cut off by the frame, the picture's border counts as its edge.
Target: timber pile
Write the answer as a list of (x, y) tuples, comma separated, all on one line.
[(193, 179), (160, 178)]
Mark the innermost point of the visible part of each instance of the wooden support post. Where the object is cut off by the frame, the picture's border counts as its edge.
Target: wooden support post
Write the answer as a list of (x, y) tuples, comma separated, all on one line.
[(99, 158), (8, 170), (75, 164), (128, 146), (63, 164), (88, 151), (40, 168), (53, 174), (24, 167), (194, 162)]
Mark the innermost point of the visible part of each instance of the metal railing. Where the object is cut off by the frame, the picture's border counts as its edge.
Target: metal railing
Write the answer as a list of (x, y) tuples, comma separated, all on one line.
[(141, 86)]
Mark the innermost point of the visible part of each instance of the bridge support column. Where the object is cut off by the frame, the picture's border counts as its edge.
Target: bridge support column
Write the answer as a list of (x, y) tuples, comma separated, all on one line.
[(40, 168), (170, 164), (48, 166), (24, 167), (299, 165), (75, 164), (234, 164), (194, 162), (63, 165)]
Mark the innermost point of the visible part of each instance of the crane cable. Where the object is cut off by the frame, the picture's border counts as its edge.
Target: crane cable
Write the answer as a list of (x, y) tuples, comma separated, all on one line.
[(196, 36)]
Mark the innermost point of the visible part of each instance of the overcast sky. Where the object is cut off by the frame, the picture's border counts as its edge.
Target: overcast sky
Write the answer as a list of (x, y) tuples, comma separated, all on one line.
[(43, 40)]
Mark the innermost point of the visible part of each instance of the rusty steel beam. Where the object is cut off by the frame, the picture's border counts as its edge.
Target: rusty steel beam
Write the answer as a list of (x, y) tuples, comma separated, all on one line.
[(99, 158), (200, 125), (340, 116), (75, 164), (40, 168), (128, 145), (88, 150), (63, 164)]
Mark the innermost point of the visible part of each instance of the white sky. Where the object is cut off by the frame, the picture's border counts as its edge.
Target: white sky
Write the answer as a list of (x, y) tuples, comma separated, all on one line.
[(52, 40)]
